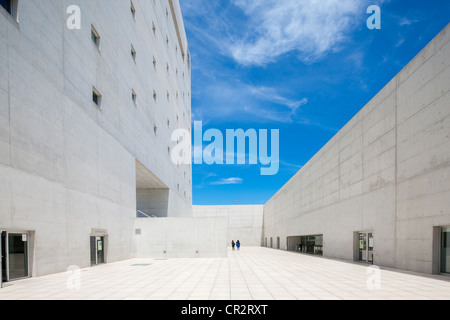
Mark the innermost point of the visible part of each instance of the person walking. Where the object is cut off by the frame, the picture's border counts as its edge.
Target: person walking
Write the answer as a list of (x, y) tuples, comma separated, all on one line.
[(233, 244), (238, 245)]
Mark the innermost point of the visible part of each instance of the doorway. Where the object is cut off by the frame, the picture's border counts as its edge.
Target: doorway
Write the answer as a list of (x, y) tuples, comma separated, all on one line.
[(97, 250), (445, 250), (14, 256), (365, 249)]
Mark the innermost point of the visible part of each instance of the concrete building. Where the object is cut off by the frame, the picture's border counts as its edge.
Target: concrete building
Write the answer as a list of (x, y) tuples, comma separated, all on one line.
[(86, 116), (379, 191), (86, 176)]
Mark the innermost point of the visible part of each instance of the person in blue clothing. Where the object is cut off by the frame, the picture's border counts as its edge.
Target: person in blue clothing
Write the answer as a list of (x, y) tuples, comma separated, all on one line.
[(238, 245)]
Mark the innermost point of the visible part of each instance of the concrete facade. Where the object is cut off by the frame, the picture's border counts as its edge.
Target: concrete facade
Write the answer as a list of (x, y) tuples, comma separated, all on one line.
[(244, 223), (70, 168), (387, 172), (166, 238)]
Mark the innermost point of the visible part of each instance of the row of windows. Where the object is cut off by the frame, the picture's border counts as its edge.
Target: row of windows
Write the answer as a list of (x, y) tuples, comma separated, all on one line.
[(133, 12)]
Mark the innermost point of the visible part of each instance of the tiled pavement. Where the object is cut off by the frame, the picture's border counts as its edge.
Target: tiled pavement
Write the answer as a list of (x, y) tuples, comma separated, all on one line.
[(250, 274)]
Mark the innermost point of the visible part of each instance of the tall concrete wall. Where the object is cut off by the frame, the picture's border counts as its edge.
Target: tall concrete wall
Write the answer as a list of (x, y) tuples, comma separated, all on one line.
[(244, 223), (181, 238), (387, 171), (66, 166)]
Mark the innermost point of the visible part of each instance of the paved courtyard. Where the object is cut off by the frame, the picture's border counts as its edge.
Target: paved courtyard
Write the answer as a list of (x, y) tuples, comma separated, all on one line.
[(250, 274)]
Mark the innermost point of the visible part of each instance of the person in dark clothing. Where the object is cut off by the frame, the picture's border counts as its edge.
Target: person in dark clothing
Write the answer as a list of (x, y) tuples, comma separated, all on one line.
[(238, 245), (233, 244)]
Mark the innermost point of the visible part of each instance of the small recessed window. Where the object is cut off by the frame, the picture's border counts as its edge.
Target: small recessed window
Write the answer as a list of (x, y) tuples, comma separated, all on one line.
[(7, 4), (154, 95), (167, 40), (177, 71), (168, 96), (154, 28), (133, 10), (133, 53), (134, 96), (95, 37), (154, 62), (168, 150), (168, 122), (96, 97), (167, 13), (155, 130), (167, 67)]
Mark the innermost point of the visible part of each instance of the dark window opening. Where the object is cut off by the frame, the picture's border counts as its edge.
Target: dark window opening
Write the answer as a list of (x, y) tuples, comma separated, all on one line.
[(7, 4)]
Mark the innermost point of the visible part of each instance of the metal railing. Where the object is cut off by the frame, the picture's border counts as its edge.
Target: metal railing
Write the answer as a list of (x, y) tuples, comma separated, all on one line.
[(141, 214)]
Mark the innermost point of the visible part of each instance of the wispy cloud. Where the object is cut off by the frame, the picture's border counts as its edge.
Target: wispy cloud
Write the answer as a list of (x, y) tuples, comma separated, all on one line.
[(242, 101), (262, 31), (407, 22), (228, 181), (309, 27)]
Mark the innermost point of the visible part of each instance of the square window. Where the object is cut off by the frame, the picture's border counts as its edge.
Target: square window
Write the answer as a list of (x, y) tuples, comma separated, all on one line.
[(96, 97), (133, 53), (134, 96), (7, 5), (95, 37), (133, 10)]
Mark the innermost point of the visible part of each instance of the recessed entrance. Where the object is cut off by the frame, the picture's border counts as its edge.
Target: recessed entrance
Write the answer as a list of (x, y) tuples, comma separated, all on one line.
[(365, 247), (445, 250), (306, 244), (14, 251), (97, 250)]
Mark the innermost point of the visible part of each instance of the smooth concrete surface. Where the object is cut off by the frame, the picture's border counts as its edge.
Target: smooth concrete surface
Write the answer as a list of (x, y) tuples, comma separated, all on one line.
[(181, 238), (244, 223), (250, 274), (386, 172), (68, 166)]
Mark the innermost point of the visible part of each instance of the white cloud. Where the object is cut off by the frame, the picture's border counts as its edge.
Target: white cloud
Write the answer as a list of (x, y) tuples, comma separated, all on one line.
[(227, 181), (234, 98), (312, 28), (407, 22)]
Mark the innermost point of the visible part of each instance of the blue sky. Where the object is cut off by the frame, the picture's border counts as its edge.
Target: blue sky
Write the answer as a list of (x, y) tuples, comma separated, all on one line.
[(304, 67)]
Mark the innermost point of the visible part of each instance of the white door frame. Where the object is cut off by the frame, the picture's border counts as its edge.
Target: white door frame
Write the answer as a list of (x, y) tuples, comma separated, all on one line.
[(28, 234)]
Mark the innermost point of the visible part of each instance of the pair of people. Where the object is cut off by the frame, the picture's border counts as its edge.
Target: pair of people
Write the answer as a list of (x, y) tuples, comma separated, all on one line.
[(237, 244)]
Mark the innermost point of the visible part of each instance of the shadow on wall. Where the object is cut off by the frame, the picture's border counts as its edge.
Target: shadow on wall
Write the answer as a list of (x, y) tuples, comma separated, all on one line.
[(152, 202)]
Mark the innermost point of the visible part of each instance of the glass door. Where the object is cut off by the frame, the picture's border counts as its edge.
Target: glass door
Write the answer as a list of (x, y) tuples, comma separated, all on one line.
[(97, 250), (445, 250), (4, 257), (366, 244), (100, 250), (17, 256)]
